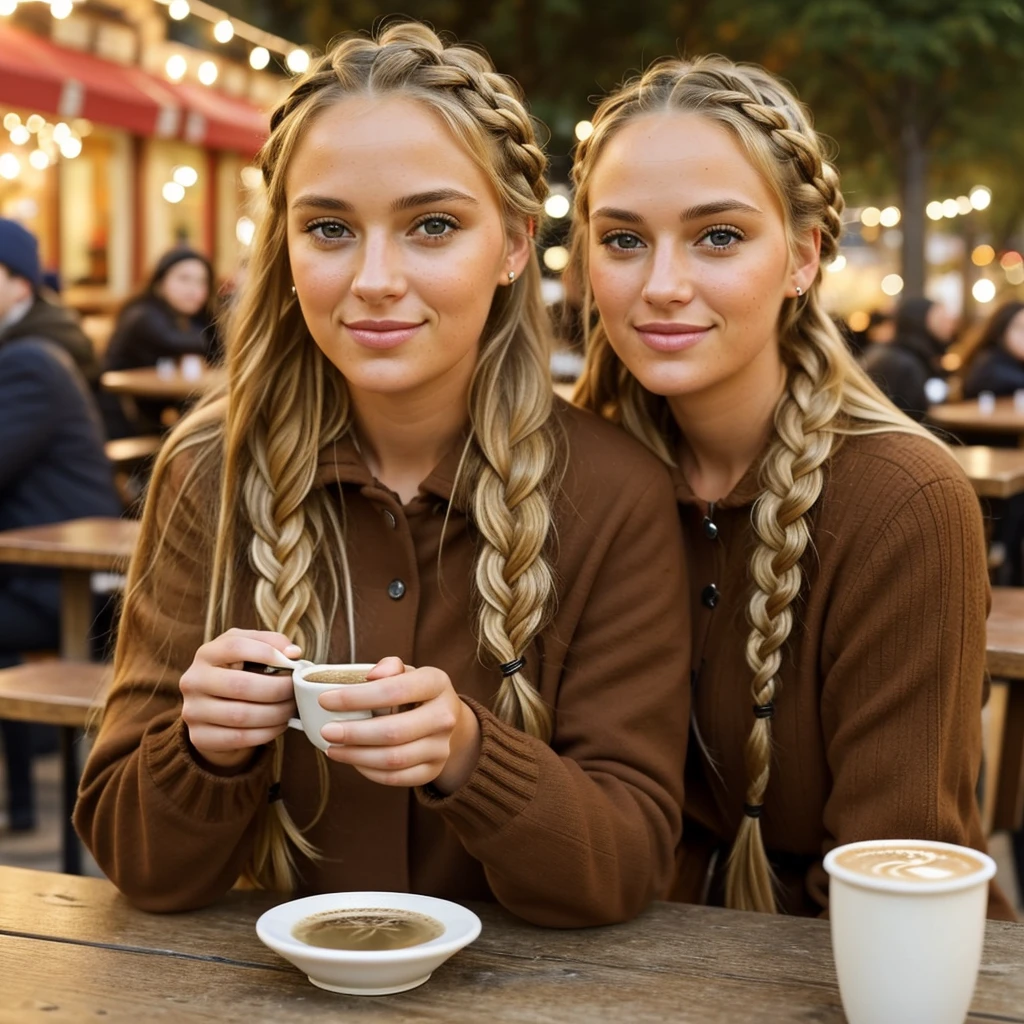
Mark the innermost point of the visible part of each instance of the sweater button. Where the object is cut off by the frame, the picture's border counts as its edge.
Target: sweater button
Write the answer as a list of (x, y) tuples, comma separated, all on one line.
[(396, 590), (389, 518), (709, 596), (710, 530)]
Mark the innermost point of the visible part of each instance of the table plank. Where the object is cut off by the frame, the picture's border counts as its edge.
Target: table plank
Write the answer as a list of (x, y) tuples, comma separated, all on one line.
[(53, 692), (993, 472), (674, 963), (99, 544), (146, 382), (1005, 633), (967, 417)]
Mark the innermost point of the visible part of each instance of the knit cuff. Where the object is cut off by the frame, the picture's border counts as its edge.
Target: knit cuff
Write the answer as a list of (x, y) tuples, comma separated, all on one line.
[(196, 792), (502, 784)]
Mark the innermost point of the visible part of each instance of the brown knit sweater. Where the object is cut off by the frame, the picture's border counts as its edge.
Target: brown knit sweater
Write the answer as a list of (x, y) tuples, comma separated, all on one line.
[(579, 832), (877, 727)]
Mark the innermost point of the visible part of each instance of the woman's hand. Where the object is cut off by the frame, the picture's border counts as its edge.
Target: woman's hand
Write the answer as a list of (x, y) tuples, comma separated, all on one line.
[(230, 712), (436, 739)]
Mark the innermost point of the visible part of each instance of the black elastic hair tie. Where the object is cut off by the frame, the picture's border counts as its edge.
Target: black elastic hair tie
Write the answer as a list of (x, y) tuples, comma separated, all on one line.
[(753, 810), (274, 793), (764, 710), (510, 668)]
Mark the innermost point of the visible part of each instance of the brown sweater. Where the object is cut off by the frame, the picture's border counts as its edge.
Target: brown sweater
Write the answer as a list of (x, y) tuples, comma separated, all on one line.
[(877, 727), (577, 833)]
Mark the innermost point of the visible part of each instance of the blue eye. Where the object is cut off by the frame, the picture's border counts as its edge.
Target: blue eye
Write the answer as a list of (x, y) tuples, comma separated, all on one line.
[(436, 225), (624, 240), (721, 238)]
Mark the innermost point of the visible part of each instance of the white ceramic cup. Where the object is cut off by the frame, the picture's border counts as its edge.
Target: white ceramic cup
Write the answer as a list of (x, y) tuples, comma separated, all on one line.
[(907, 948), (312, 715)]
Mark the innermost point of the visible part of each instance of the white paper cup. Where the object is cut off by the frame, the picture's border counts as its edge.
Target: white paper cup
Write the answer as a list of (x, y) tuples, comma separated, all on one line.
[(907, 950), (312, 715)]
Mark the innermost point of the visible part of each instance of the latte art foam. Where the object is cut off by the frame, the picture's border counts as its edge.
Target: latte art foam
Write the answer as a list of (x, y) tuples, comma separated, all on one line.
[(909, 864)]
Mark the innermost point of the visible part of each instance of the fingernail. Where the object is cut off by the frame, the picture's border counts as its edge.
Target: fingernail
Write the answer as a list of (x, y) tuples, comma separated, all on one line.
[(293, 650)]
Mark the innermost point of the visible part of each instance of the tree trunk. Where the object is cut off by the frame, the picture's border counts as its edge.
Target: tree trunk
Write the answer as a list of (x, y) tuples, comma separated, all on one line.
[(914, 182)]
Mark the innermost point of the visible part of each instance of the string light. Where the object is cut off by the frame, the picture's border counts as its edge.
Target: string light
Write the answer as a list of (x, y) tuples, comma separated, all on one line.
[(224, 31), (179, 10), (60, 9), (297, 61), (176, 67), (8, 7), (259, 58), (207, 72)]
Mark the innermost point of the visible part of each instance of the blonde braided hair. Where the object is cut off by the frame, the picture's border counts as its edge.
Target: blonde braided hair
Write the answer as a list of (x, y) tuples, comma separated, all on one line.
[(285, 403), (826, 395)]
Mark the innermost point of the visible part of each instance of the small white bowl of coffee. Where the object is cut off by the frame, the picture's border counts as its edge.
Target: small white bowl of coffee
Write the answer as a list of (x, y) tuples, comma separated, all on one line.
[(368, 943)]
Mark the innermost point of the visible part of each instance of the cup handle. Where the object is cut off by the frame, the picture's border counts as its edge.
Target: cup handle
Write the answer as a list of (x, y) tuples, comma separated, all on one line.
[(295, 723)]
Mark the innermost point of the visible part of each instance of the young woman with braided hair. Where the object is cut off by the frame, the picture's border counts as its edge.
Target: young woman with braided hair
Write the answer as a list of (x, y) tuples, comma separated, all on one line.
[(388, 478), (835, 549)]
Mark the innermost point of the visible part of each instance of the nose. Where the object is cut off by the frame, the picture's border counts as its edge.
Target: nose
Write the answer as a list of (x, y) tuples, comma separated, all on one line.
[(378, 272), (669, 280)]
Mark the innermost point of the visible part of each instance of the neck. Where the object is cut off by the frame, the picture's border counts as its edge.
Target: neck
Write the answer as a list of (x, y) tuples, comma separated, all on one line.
[(16, 313), (726, 427), (403, 437)]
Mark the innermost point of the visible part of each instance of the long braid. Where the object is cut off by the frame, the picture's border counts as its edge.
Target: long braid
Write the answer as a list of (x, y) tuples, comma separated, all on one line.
[(826, 396)]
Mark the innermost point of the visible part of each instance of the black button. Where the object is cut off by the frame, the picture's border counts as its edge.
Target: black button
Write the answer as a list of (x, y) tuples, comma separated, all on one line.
[(389, 518), (396, 589), (710, 530), (709, 596)]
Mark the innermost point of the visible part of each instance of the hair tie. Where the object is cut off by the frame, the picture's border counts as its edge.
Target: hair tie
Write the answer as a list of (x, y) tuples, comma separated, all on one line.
[(510, 668), (753, 810), (274, 793), (764, 710)]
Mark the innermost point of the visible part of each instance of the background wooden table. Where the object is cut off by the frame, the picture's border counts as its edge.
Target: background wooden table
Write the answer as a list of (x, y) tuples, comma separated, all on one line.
[(147, 383), (967, 418), (74, 950), (994, 472)]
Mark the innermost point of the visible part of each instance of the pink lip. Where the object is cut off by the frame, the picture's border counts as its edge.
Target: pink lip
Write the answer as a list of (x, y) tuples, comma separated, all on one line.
[(668, 336), (382, 334)]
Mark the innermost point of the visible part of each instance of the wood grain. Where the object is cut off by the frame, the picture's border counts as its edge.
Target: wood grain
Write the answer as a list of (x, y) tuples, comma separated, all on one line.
[(173, 387), (53, 692), (97, 544), (72, 947), (993, 472), (967, 418)]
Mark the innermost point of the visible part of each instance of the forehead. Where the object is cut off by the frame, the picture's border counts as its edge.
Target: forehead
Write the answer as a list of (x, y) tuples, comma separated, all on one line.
[(187, 268), (381, 145), (676, 159)]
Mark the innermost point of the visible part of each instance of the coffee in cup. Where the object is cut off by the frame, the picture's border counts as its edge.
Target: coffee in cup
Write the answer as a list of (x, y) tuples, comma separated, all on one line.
[(310, 681), (908, 924)]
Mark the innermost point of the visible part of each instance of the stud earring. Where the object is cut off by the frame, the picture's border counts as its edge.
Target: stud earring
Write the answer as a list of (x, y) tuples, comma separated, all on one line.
[(293, 289), (511, 276), (799, 291)]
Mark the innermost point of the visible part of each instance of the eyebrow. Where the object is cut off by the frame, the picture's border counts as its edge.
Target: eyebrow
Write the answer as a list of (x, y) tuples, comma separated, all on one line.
[(411, 202), (690, 213)]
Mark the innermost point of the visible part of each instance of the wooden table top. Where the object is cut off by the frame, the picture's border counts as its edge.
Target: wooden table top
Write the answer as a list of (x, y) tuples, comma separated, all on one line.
[(1005, 418), (53, 692), (994, 472), (1005, 633), (98, 544), (73, 949), (147, 382)]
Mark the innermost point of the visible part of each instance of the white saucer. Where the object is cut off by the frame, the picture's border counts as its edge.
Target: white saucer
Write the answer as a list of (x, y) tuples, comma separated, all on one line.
[(368, 973)]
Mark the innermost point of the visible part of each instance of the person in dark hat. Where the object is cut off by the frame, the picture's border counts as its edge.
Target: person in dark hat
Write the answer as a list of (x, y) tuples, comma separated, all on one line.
[(25, 312), (903, 366), (171, 317), (52, 468)]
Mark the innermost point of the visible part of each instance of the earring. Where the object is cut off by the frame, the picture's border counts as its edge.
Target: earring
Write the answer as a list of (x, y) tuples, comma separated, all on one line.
[(799, 291), (511, 276), (293, 289)]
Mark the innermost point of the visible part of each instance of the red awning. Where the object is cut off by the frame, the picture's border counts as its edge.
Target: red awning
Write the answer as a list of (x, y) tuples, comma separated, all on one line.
[(37, 74), (219, 121)]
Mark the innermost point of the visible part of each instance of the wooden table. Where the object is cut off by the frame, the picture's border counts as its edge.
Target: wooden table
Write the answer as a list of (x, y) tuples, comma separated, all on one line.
[(78, 548), (74, 950), (994, 472), (1005, 644), (967, 418), (148, 383)]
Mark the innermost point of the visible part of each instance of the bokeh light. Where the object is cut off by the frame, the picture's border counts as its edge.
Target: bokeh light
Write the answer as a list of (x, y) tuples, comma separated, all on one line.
[(983, 255), (984, 290), (892, 284)]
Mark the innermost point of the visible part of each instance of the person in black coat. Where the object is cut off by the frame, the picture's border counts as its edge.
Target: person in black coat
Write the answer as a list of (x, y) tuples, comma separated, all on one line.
[(998, 361), (171, 318), (903, 366), (52, 468)]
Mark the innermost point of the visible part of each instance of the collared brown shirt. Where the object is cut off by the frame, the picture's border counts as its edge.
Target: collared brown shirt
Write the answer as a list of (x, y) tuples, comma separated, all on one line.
[(579, 832)]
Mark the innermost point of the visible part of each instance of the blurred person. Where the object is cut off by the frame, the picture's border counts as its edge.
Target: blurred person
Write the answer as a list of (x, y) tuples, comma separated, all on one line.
[(52, 468), (880, 330), (172, 317), (997, 363), (389, 477), (835, 548), (25, 310), (903, 367)]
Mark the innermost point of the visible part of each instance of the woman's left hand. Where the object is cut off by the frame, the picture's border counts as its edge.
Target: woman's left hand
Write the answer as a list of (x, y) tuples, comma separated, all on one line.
[(437, 739)]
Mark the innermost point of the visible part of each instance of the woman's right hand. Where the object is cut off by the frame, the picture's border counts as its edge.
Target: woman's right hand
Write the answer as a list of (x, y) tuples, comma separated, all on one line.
[(230, 712)]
